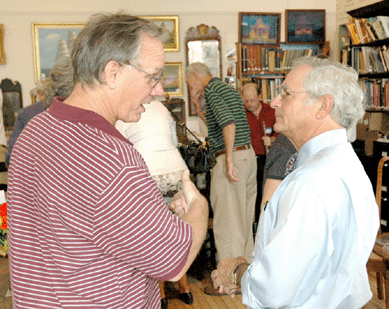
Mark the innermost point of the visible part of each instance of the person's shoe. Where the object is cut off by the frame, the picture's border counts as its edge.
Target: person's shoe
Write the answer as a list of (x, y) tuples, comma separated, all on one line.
[(164, 304), (187, 298)]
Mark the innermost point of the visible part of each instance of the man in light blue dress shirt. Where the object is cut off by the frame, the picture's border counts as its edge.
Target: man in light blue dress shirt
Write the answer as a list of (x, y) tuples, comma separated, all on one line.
[(316, 233)]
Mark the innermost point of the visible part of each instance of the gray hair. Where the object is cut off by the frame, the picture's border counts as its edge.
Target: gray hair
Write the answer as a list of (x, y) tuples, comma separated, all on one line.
[(108, 37), (198, 67), (60, 81), (338, 80)]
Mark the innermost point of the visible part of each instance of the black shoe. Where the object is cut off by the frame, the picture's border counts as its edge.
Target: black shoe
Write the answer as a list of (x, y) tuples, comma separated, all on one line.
[(187, 298), (164, 304)]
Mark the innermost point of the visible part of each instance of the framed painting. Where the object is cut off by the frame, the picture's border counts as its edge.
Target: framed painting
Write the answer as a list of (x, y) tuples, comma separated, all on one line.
[(3, 59), (305, 26), (172, 81), (170, 31), (259, 28), (50, 42)]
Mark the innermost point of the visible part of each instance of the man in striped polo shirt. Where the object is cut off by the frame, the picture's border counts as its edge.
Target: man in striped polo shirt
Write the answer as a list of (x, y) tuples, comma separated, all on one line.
[(88, 227), (233, 179)]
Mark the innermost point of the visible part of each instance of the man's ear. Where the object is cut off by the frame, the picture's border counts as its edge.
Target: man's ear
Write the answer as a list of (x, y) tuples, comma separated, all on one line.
[(326, 103), (110, 72)]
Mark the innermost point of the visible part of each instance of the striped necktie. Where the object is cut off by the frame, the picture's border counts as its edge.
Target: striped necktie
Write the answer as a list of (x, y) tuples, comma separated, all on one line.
[(290, 166)]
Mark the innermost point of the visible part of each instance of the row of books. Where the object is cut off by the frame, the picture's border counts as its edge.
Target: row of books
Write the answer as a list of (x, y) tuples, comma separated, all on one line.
[(270, 86), (366, 30), (258, 60), (367, 59), (376, 93)]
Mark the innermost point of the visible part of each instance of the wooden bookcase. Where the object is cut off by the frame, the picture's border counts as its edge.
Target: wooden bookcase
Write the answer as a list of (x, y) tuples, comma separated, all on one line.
[(368, 59), (268, 66)]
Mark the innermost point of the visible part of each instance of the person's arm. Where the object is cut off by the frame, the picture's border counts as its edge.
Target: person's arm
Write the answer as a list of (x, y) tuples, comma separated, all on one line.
[(192, 207), (269, 188), (299, 246), (229, 140), (20, 123)]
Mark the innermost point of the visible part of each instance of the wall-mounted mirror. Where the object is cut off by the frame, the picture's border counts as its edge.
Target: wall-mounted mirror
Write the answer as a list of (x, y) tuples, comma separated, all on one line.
[(203, 44)]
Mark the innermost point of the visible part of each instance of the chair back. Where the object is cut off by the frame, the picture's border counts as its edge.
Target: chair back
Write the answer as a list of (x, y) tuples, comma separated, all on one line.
[(378, 194)]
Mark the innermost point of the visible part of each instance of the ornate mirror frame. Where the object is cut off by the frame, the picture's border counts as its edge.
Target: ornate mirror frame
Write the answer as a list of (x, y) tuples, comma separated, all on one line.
[(206, 39)]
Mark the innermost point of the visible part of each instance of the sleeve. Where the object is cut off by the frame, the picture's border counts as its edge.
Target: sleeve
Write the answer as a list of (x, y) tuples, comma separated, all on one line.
[(276, 162), (141, 230), (295, 256)]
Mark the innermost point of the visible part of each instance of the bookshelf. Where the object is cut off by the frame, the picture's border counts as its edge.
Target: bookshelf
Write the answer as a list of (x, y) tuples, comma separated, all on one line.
[(268, 66), (367, 51)]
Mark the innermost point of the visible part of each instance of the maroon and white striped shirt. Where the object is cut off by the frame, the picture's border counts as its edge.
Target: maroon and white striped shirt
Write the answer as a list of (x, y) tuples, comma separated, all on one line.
[(88, 227)]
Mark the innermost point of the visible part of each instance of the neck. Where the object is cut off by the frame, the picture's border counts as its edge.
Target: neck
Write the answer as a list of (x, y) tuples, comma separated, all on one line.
[(91, 99), (300, 140)]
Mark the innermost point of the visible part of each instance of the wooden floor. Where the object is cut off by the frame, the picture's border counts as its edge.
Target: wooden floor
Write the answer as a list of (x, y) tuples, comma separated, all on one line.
[(197, 284)]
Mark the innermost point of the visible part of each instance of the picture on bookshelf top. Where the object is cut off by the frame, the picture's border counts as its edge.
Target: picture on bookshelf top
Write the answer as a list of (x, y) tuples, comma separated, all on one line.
[(305, 26), (259, 28)]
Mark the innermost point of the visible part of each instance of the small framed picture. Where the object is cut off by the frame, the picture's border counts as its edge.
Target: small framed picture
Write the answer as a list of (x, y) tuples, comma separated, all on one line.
[(170, 31), (172, 81), (305, 26), (259, 28)]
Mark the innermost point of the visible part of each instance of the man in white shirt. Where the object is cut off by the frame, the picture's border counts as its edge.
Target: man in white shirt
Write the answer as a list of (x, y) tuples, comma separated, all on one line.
[(316, 233)]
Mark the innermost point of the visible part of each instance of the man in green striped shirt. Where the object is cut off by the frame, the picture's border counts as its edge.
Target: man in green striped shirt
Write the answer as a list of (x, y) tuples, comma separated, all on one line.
[(233, 179)]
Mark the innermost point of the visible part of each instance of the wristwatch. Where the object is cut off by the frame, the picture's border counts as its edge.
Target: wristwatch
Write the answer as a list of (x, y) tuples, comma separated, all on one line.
[(234, 274)]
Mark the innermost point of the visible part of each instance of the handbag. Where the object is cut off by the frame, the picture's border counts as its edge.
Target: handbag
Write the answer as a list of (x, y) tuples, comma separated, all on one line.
[(196, 155)]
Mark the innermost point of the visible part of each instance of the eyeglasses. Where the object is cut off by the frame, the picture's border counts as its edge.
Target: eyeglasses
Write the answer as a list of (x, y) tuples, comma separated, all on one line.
[(286, 92), (155, 79)]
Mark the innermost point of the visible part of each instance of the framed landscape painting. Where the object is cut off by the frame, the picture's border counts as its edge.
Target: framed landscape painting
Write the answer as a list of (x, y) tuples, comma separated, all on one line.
[(305, 26), (172, 81), (50, 42), (259, 28), (170, 31)]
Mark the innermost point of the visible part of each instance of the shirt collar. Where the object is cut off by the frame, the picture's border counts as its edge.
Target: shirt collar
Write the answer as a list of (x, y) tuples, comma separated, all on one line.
[(324, 140), (74, 114)]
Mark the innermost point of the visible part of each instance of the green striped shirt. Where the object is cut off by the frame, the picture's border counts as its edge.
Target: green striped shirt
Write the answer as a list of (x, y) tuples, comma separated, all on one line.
[(224, 106)]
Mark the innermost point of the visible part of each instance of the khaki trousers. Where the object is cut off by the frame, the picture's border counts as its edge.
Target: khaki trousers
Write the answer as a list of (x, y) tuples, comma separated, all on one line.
[(233, 205)]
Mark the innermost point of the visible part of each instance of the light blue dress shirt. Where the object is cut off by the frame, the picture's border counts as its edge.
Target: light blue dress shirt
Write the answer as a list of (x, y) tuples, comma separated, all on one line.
[(316, 233)]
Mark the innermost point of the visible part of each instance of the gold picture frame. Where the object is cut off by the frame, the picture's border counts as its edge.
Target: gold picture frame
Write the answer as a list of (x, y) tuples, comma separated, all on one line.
[(172, 81), (171, 27), (50, 40), (3, 59)]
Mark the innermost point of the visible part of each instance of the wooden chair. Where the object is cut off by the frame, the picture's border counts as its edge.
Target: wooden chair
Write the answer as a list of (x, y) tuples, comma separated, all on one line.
[(376, 263)]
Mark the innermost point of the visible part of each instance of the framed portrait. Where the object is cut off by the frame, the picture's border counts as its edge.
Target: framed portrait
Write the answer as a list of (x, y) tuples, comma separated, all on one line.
[(305, 26), (170, 31), (172, 81), (50, 42), (259, 28), (3, 59)]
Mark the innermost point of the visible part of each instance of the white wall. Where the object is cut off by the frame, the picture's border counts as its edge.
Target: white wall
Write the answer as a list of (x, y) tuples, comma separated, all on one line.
[(18, 15)]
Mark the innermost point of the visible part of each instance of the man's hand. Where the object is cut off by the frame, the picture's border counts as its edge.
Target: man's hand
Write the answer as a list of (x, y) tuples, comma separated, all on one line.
[(222, 276), (231, 173), (267, 141), (183, 199)]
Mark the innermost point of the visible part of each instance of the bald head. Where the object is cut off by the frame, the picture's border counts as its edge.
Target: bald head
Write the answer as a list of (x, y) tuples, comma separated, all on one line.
[(251, 98)]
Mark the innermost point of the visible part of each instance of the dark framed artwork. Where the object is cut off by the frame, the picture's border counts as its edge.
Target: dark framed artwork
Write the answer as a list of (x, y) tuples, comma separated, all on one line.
[(305, 26), (259, 28)]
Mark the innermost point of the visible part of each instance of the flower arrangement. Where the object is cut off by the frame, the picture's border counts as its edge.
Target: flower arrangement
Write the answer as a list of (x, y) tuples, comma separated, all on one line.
[(3, 228)]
